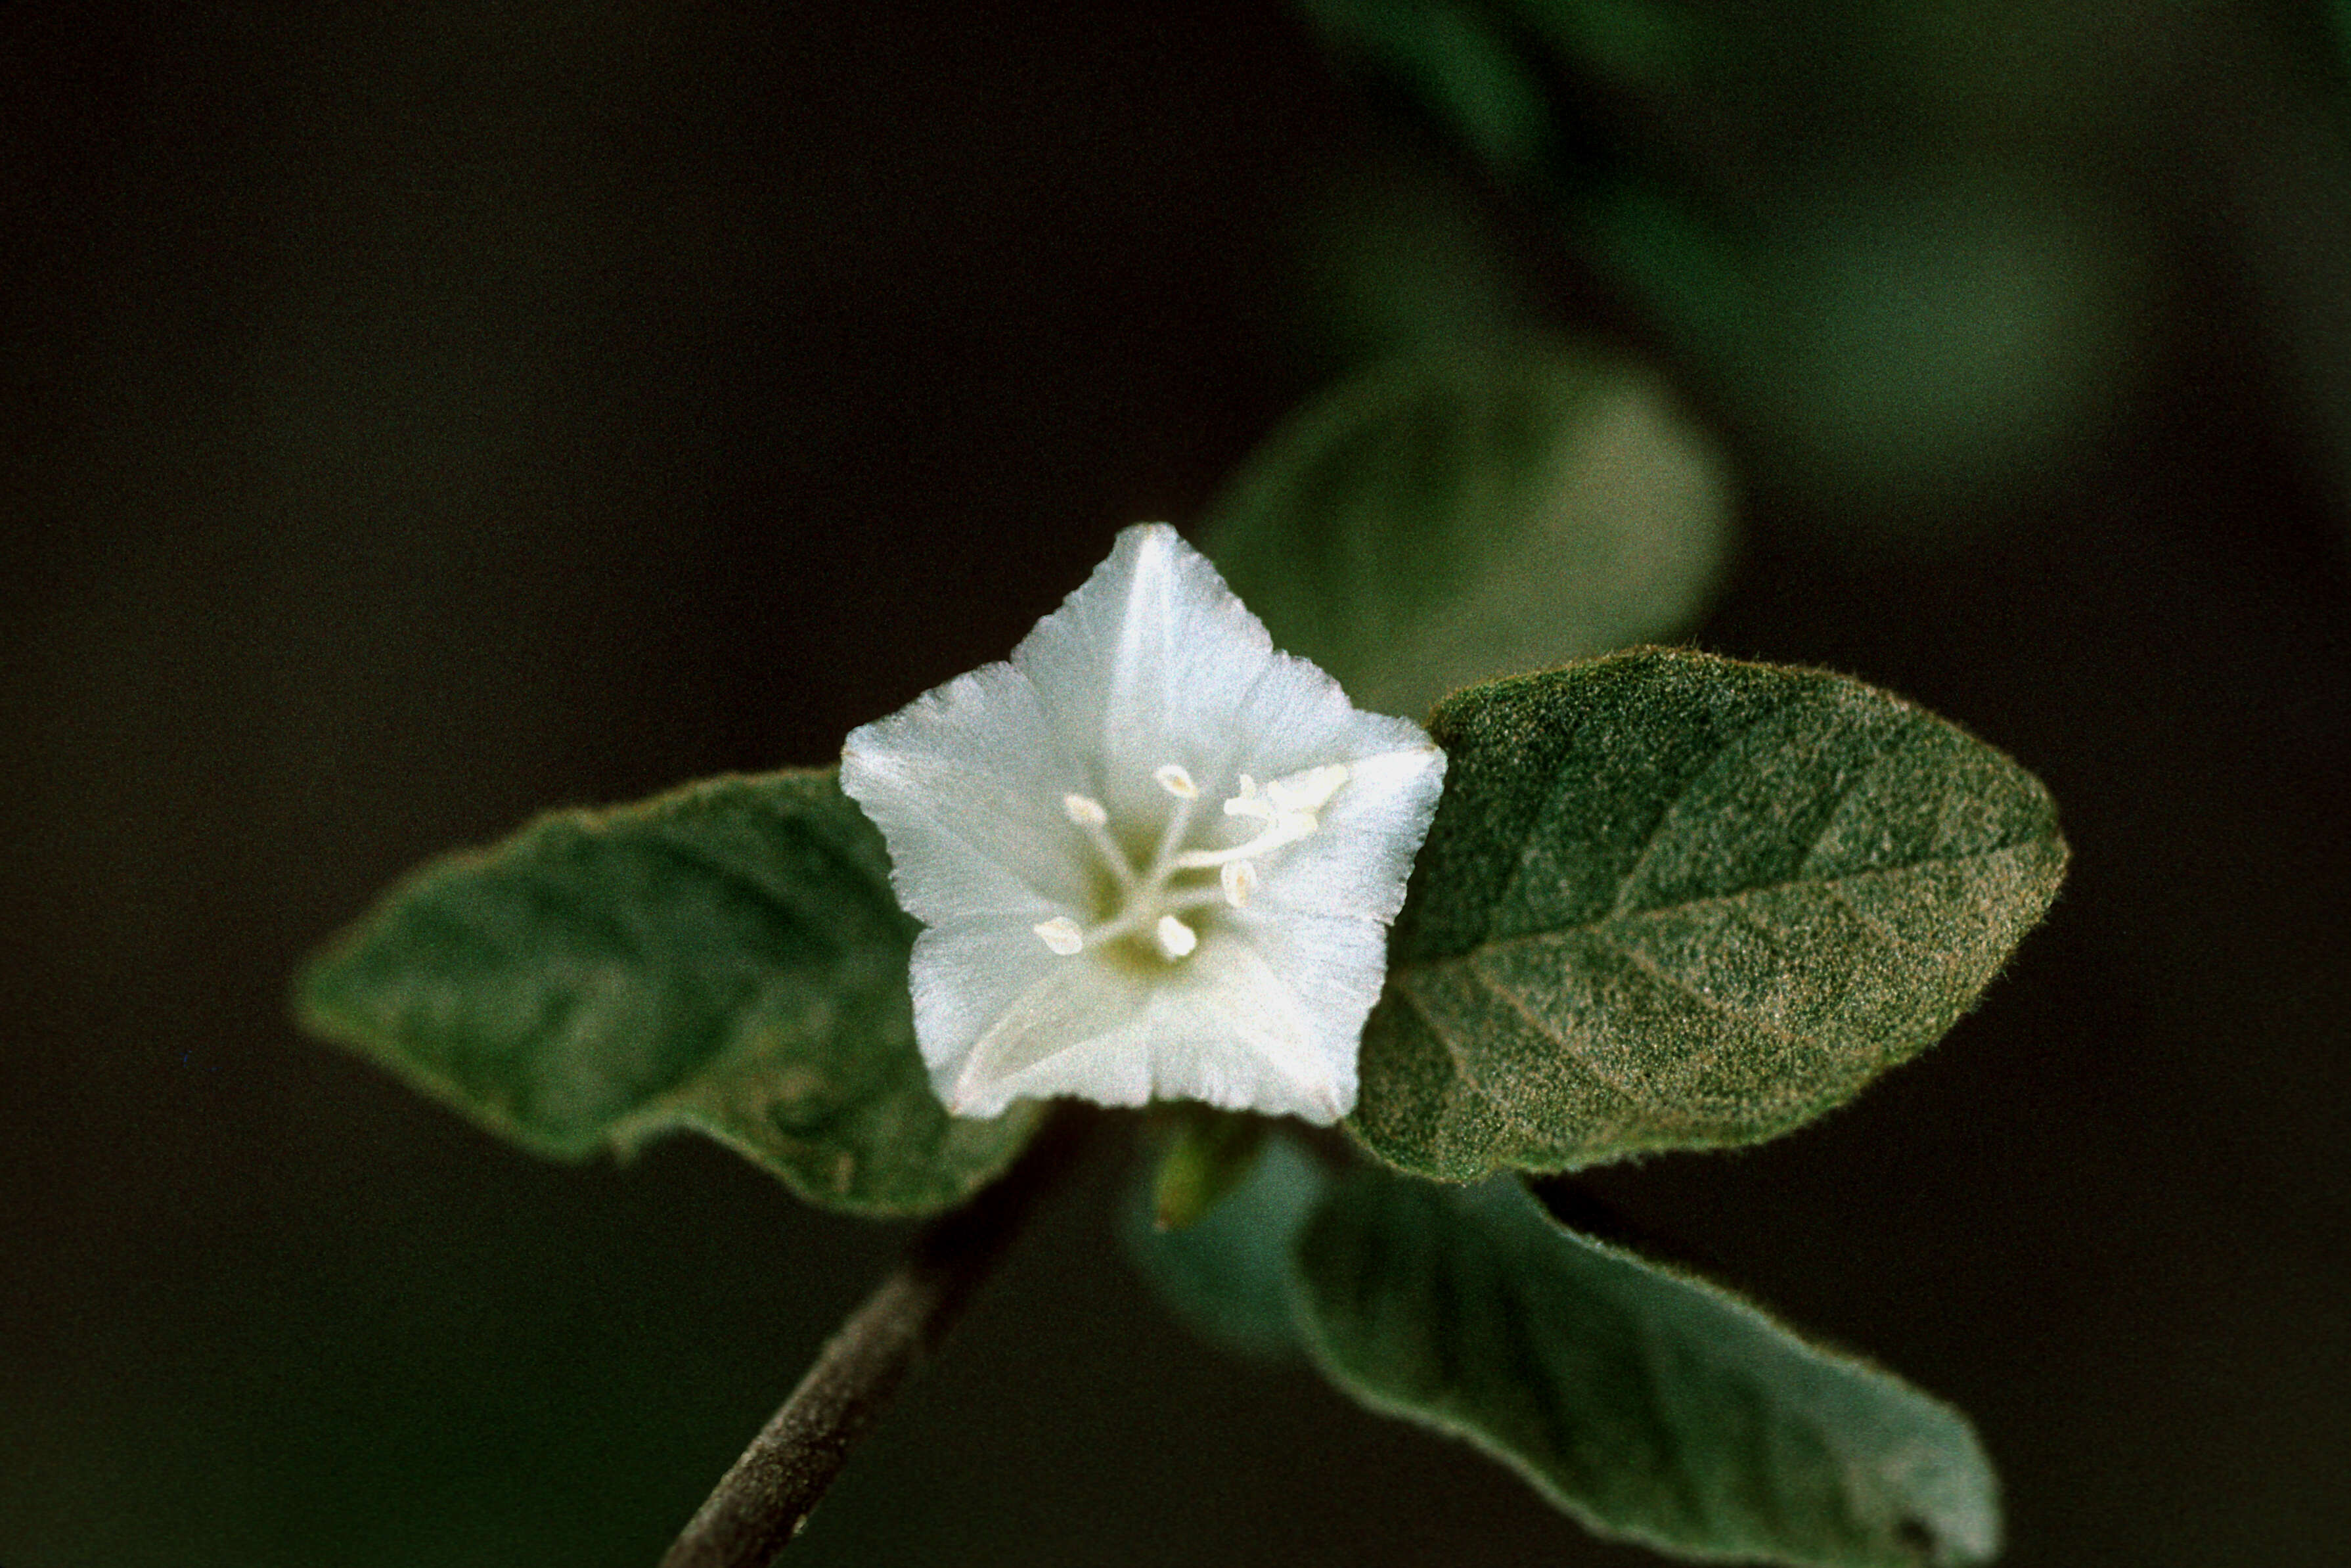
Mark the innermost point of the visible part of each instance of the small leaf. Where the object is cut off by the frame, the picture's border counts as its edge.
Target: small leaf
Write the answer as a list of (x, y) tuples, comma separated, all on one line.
[(1399, 256), (1210, 1154), (1650, 1405), (1228, 1275), (1447, 518), (727, 957), (1920, 333), (1673, 901)]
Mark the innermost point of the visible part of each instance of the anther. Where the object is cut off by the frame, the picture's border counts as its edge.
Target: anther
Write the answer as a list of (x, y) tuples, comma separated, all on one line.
[(1060, 934), (1240, 878), (1177, 782), (1175, 938), (1084, 810)]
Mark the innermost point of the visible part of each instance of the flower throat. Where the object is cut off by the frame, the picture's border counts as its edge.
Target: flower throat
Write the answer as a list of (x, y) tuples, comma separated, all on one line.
[(1150, 901)]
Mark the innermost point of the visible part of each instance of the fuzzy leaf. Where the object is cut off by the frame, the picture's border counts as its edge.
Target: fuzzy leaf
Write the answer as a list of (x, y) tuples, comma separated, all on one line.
[(1650, 1405), (1228, 1275), (727, 957), (1673, 901), (1445, 519)]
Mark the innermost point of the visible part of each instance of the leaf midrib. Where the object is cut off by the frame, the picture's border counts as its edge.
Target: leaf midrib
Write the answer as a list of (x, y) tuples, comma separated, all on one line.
[(1406, 977), (1835, 884)]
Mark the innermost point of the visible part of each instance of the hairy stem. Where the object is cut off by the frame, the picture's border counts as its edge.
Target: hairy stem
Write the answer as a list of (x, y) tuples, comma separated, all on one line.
[(761, 1502)]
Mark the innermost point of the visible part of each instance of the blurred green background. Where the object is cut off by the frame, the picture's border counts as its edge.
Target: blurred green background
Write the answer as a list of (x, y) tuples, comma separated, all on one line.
[(419, 416)]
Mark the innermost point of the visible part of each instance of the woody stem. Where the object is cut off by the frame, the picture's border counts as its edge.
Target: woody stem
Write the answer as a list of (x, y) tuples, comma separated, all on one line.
[(761, 1502)]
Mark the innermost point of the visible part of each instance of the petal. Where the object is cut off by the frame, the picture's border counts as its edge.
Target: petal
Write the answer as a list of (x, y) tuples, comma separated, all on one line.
[(1357, 863), (1074, 1029), (1238, 1031), (1221, 1026), (1297, 717), (1151, 661), (1333, 967), (966, 783), (968, 977)]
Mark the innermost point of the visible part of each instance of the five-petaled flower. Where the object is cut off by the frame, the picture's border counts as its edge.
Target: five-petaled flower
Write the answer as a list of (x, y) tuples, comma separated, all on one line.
[(1152, 855)]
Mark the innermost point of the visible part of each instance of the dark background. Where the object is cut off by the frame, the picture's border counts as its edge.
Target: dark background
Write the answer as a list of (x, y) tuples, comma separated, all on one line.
[(417, 417)]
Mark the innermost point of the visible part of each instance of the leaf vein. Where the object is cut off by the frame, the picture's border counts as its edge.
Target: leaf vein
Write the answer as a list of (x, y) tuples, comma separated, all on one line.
[(1658, 832), (1649, 966), (1735, 895), (1580, 1055), (1894, 741), (1453, 1053)]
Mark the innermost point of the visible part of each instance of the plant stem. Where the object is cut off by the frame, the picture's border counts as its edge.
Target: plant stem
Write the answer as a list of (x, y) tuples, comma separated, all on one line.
[(761, 1502)]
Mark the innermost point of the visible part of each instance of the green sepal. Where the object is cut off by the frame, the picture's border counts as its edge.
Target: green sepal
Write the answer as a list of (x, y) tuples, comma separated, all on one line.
[(1650, 1405), (1207, 1154), (727, 956), (1674, 901), (1229, 1274)]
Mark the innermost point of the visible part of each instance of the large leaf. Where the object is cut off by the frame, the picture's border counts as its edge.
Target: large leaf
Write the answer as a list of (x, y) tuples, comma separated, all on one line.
[(1445, 518), (1647, 1404), (1673, 901), (727, 957)]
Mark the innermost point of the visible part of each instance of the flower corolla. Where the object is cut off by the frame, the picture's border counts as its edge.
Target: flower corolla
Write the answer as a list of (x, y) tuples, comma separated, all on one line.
[(1153, 856)]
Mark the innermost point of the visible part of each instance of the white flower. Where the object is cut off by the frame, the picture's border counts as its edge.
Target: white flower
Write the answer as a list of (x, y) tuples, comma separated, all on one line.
[(1153, 856)]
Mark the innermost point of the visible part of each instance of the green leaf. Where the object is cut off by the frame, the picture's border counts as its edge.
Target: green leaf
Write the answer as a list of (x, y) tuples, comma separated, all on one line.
[(1399, 257), (1939, 329), (1445, 519), (1489, 74), (1647, 1404), (1673, 901), (1468, 73), (727, 957), (1228, 1274)]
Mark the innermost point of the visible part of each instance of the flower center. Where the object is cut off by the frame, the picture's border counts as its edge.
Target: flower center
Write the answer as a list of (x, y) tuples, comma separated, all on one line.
[(1150, 900)]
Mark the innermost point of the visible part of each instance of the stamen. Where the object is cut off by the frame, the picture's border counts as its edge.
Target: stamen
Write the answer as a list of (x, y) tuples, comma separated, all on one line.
[(1175, 938), (1163, 858), (1090, 814), (1287, 807), (1283, 809), (1062, 934), (1287, 829)]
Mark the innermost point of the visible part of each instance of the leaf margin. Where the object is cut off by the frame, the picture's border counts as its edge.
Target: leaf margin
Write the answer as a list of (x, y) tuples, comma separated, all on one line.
[(873, 979), (1376, 1126)]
